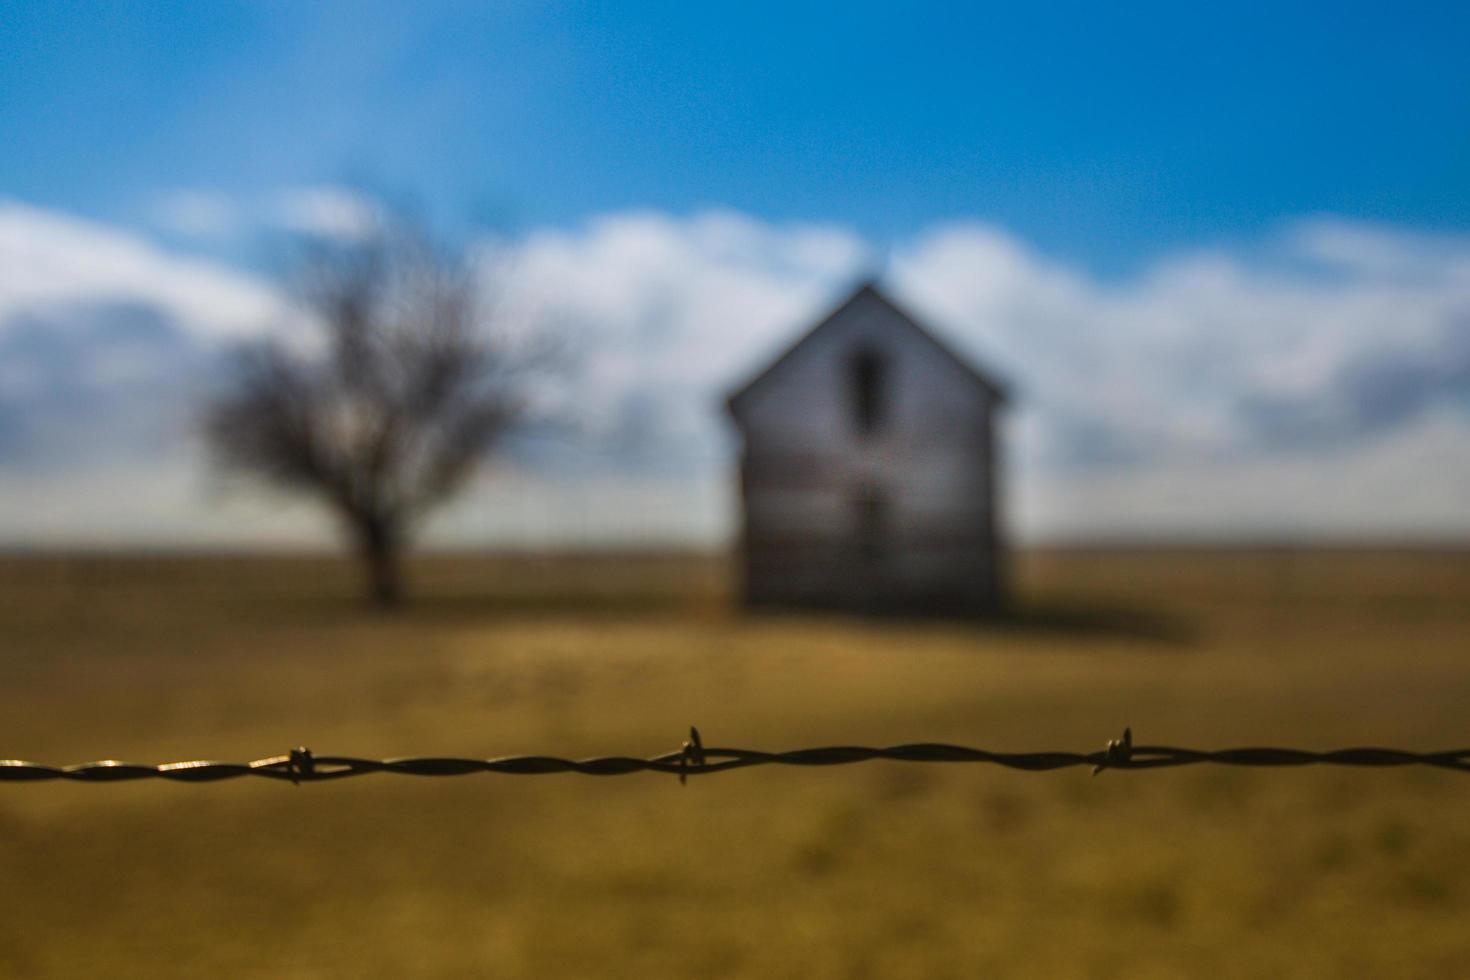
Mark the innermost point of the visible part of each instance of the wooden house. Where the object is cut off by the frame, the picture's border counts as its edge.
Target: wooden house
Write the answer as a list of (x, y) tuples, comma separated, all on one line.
[(870, 470)]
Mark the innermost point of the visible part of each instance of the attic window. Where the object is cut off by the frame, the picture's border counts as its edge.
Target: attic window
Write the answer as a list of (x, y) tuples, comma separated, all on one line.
[(869, 389)]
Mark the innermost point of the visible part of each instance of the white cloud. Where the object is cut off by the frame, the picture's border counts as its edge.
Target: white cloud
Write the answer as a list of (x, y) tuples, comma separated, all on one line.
[(50, 261), (1220, 393), (1174, 362), (194, 213), (675, 308), (1412, 485), (1376, 252), (324, 212), (212, 216), (1316, 384)]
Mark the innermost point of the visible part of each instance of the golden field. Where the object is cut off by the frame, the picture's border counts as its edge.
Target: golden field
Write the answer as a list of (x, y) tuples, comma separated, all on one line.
[(872, 870)]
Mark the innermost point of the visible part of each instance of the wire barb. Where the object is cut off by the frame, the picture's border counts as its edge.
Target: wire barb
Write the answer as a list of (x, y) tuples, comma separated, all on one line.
[(302, 765), (1118, 753), (691, 753)]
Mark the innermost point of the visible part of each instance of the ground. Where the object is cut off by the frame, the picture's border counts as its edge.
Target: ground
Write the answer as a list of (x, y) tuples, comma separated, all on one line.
[(874, 870)]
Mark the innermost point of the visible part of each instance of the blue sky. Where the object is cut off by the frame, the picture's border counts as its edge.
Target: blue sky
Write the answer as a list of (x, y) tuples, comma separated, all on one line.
[(1222, 251), (1105, 134)]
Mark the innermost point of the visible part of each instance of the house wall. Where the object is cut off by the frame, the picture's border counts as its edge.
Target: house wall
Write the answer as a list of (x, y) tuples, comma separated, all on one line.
[(807, 465)]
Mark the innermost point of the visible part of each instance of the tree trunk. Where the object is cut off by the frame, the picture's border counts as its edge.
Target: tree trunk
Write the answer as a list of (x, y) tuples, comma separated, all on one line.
[(381, 553)]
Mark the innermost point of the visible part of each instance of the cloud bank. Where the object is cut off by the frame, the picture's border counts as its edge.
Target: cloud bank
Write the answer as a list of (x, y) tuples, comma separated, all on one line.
[(1315, 384)]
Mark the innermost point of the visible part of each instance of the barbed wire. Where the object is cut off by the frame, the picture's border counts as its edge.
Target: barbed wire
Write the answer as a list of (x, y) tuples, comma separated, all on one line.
[(693, 758)]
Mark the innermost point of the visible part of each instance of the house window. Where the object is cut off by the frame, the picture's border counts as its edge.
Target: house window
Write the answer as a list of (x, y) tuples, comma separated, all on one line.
[(869, 389)]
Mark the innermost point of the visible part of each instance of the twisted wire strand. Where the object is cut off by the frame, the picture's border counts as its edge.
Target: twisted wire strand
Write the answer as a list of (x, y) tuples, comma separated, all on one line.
[(695, 759)]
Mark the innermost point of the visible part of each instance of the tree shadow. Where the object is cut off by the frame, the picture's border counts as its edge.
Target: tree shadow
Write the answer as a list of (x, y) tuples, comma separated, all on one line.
[(470, 607)]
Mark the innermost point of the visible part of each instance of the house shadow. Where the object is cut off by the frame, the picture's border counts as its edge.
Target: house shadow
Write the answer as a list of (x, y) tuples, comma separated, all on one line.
[(1080, 621), (1120, 621)]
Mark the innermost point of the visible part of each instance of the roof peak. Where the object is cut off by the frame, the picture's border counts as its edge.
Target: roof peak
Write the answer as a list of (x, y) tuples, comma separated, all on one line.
[(869, 286)]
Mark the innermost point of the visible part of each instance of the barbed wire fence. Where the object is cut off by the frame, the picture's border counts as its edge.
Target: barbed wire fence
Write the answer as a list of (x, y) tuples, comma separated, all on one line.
[(693, 758)]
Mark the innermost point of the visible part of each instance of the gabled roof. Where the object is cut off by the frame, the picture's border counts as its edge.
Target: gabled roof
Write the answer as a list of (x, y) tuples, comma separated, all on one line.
[(991, 386)]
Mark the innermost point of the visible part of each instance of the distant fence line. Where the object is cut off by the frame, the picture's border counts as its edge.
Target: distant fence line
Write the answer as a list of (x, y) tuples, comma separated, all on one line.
[(693, 758)]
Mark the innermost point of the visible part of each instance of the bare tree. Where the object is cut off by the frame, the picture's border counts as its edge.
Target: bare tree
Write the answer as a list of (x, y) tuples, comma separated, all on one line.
[(384, 409)]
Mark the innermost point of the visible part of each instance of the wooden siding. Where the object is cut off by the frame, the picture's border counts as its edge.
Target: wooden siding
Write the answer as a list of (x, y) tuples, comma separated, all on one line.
[(899, 513)]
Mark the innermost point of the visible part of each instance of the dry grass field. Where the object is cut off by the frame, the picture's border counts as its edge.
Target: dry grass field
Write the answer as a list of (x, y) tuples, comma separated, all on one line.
[(874, 870)]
